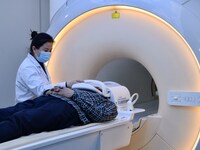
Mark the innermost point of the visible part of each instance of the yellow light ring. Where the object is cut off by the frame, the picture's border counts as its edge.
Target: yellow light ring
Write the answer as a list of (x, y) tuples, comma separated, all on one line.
[(114, 8)]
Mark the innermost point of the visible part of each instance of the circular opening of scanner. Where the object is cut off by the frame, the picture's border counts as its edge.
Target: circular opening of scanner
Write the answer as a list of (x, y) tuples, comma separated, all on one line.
[(136, 78), (98, 37)]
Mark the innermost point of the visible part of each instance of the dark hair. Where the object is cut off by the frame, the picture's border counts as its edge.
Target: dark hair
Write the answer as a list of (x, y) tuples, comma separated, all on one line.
[(38, 39)]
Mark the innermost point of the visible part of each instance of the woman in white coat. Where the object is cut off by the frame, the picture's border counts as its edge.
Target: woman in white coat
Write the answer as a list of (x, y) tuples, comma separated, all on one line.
[(32, 78)]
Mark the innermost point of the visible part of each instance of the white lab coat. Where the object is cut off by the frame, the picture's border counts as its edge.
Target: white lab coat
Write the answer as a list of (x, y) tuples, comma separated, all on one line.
[(31, 80)]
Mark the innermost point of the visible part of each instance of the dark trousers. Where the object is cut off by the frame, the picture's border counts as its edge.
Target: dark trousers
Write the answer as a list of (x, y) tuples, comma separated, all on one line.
[(45, 113)]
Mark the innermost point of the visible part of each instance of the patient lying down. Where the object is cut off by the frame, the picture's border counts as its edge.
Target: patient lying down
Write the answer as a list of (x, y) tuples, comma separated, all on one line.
[(59, 108)]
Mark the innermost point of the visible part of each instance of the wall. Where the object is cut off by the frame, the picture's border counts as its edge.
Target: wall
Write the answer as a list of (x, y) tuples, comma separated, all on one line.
[(17, 19)]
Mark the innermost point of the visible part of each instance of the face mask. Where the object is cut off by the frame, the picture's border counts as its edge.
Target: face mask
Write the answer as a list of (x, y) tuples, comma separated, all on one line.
[(43, 57)]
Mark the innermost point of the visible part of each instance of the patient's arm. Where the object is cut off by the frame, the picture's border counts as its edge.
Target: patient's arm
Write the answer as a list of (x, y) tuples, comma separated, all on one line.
[(63, 91), (66, 92), (96, 107)]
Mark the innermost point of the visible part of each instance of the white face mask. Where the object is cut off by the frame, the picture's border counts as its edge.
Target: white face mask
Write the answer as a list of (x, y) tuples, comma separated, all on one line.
[(43, 56)]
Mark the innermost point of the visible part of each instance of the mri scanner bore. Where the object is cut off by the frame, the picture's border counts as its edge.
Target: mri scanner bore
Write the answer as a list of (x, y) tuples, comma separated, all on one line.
[(137, 79)]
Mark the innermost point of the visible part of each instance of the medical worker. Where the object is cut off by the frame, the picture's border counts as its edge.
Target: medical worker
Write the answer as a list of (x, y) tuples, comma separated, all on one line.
[(32, 78)]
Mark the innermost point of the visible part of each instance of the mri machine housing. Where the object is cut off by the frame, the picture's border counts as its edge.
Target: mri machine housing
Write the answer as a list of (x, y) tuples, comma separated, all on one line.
[(166, 44), (156, 34)]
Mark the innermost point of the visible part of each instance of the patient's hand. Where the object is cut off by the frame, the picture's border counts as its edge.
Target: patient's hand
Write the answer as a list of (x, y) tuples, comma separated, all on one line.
[(53, 90), (63, 91)]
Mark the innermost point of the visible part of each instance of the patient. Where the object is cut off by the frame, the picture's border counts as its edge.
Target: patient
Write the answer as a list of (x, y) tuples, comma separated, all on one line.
[(59, 108)]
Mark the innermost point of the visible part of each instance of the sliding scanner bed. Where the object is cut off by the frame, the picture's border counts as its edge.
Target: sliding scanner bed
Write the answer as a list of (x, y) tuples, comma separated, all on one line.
[(94, 136)]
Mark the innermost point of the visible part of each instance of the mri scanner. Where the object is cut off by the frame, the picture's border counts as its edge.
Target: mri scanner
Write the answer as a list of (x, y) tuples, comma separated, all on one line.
[(163, 36)]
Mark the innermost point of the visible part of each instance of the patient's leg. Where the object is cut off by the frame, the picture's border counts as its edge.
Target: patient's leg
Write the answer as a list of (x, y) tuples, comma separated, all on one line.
[(7, 112), (38, 102), (54, 115)]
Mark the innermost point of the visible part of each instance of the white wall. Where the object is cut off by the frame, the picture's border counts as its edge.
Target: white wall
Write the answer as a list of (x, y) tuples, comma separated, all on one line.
[(17, 17)]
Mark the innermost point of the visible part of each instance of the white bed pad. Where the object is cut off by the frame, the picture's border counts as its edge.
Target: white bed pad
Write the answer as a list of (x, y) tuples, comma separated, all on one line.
[(94, 136), (39, 137)]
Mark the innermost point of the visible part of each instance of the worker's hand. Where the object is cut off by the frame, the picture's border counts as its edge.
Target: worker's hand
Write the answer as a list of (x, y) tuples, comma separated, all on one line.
[(63, 91), (72, 82)]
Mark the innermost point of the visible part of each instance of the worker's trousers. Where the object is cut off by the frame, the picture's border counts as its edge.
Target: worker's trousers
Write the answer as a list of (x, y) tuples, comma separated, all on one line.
[(45, 113)]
